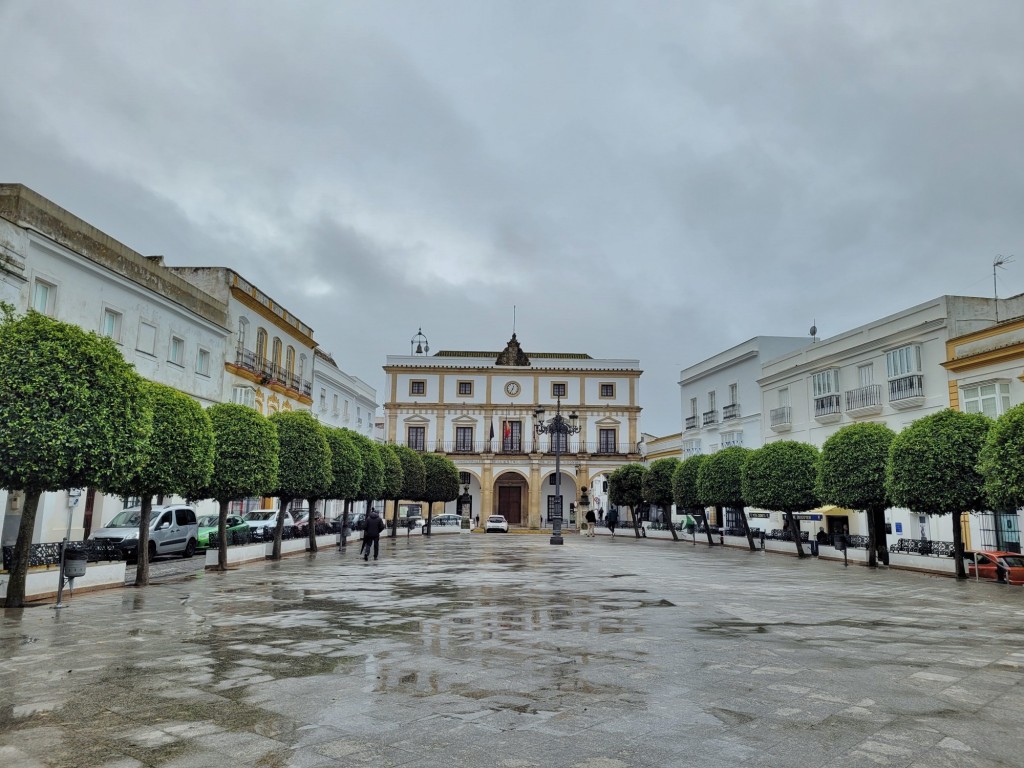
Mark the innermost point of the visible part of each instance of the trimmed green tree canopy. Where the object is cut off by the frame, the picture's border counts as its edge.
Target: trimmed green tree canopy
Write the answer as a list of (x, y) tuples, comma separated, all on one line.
[(625, 485), (851, 472), (394, 477), (304, 471), (720, 478), (372, 486), (346, 464), (657, 482), (933, 464), (684, 482), (781, 476), (413, 472), (441, 478), (245, 457), (72, 413), (1002, 461)]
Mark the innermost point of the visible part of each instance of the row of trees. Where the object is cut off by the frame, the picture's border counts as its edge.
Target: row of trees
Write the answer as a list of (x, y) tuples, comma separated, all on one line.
[(948, 463), (75, 414)]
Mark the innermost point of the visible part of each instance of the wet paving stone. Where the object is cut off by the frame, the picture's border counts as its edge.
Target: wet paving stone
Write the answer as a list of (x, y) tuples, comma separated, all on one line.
[(506, 651)]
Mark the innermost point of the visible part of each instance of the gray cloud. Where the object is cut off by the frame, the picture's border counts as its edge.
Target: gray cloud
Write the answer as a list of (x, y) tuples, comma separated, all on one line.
[(658, 181)]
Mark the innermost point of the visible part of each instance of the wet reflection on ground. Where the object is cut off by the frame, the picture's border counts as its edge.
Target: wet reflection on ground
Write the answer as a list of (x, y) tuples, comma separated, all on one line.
[(504, 651)]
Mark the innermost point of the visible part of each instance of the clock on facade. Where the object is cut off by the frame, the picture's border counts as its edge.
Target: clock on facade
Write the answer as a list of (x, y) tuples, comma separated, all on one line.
[(512, 388)]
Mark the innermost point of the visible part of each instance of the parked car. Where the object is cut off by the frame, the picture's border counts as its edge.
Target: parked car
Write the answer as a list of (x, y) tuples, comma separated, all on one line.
[(267, 518), (208, 527), (413, 521), (996, 566), (496, 523), (302, 521), (172, 531), (446, 519)]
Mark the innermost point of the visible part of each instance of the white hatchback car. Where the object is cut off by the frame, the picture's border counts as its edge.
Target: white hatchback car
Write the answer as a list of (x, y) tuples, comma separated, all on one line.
[(496, 523)]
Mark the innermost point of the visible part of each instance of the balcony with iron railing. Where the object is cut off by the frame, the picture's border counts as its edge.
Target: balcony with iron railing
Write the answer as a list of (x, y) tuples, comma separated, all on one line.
[(731, 411), (781, 419), (864, 401), (710, 417), (520, 447), (691, 422), (270, 372), (828, 409), (907, 392)]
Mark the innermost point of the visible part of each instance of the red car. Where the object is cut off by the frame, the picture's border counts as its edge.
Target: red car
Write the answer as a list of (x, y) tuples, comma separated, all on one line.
[(994, 565)]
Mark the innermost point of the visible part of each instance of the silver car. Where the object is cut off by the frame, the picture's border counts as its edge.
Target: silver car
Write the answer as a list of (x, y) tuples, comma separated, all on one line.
[(172, 531)]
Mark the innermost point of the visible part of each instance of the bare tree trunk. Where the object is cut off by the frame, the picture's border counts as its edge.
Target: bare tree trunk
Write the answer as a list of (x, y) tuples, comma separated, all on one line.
[(394, 518), (430, 517), (667, 508), (958, 545), (22, 551), (142, 562), (746, 528), (881, 543), (796, 534), (636, 521), (279, 528), (872, 551), (222, 535), (311, 545), (345, 505), (703, 512)]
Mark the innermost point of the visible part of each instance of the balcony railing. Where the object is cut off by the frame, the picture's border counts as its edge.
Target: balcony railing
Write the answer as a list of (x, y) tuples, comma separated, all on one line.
[(710, 417), (731, 412), (907, 391), (266, 369), (781, 419), (828, 408), (500, 445), (864, 401), (691, 422)]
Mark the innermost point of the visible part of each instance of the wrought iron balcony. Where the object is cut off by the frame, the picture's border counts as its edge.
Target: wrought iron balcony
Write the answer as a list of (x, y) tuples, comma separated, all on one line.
[(691, 422), (907, 392), (710, 417), (270, 372), (781, 419), (865, 401), (828, 409), (731, 411)]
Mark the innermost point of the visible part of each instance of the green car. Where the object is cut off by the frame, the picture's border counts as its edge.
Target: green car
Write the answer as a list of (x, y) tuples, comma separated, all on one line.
[(208, 528)]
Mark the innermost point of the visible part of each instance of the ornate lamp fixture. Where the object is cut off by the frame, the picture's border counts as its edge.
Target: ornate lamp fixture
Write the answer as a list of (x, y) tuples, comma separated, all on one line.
[(557, 426)]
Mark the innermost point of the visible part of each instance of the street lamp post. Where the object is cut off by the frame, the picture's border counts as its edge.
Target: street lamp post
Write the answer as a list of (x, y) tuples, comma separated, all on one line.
[(557, 426)]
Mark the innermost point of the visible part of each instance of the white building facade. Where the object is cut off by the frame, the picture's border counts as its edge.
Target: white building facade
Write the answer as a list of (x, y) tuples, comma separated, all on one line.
[(478, 408)]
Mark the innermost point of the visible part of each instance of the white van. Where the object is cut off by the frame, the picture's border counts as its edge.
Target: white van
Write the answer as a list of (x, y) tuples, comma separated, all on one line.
[(172, 530)]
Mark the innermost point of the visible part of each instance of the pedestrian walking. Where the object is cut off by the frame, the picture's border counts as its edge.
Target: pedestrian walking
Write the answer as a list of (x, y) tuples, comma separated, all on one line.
[(371, 534), (612, 518), (591, 522)]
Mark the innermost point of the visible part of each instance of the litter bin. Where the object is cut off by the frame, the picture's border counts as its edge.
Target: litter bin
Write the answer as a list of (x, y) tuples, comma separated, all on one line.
[(74, 563)]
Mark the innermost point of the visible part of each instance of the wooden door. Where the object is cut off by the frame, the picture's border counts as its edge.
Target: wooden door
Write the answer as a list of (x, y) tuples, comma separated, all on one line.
[(510, 503)]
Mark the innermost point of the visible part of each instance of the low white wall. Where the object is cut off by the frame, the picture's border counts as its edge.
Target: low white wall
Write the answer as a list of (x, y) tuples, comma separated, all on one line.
[(42, 583), (262, 550)]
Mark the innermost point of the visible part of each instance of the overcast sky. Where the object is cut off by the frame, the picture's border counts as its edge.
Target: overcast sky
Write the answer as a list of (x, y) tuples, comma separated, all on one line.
[(651, 180)]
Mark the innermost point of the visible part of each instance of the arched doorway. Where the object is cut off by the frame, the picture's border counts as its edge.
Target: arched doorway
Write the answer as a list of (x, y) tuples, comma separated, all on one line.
[(510, 489)]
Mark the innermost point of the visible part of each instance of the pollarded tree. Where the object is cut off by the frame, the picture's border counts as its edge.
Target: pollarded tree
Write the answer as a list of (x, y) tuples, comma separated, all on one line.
[(1002, 461), (72, 415), (346, 471), (625, 488), (933, 469), (441, 482), (245, 462), (851, 474), (657, 488), (318, 492), (720, 483), (393, 478), (177, 459), (782, 476), (304, 470), (413, 478), (684, 490), (371, 486)]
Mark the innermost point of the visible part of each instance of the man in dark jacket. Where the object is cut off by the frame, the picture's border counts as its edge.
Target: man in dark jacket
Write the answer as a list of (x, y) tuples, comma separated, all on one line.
[(371, 534)]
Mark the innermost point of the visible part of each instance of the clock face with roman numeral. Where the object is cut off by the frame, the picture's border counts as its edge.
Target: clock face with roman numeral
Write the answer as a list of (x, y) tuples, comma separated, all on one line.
[(512, 388)]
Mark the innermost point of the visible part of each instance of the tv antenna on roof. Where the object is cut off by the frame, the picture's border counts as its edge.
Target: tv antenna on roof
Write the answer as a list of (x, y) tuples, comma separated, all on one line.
[(814, 330), (998, 261)]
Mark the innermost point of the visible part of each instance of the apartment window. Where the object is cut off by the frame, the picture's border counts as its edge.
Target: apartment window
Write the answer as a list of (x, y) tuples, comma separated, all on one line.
[(607, 390), (825, 382), (277, 352), (711, 400), (261, 345), (903, 361), (734, 395), (43, 296), (334, 408), (323, 399), (203, 362), (244, 396), (417, 387), (784, 397), (732, 438), (289, 359), (146, 341), (991, 399), (512, 436), (690, 448), (243, 331), (693, 406), (464, 439), (606, 442), (465, 388), (345, 412), (558, 389), (464, 478), (417, 438), (559, 442), (866, 375), (177, 353), (111, 324)]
